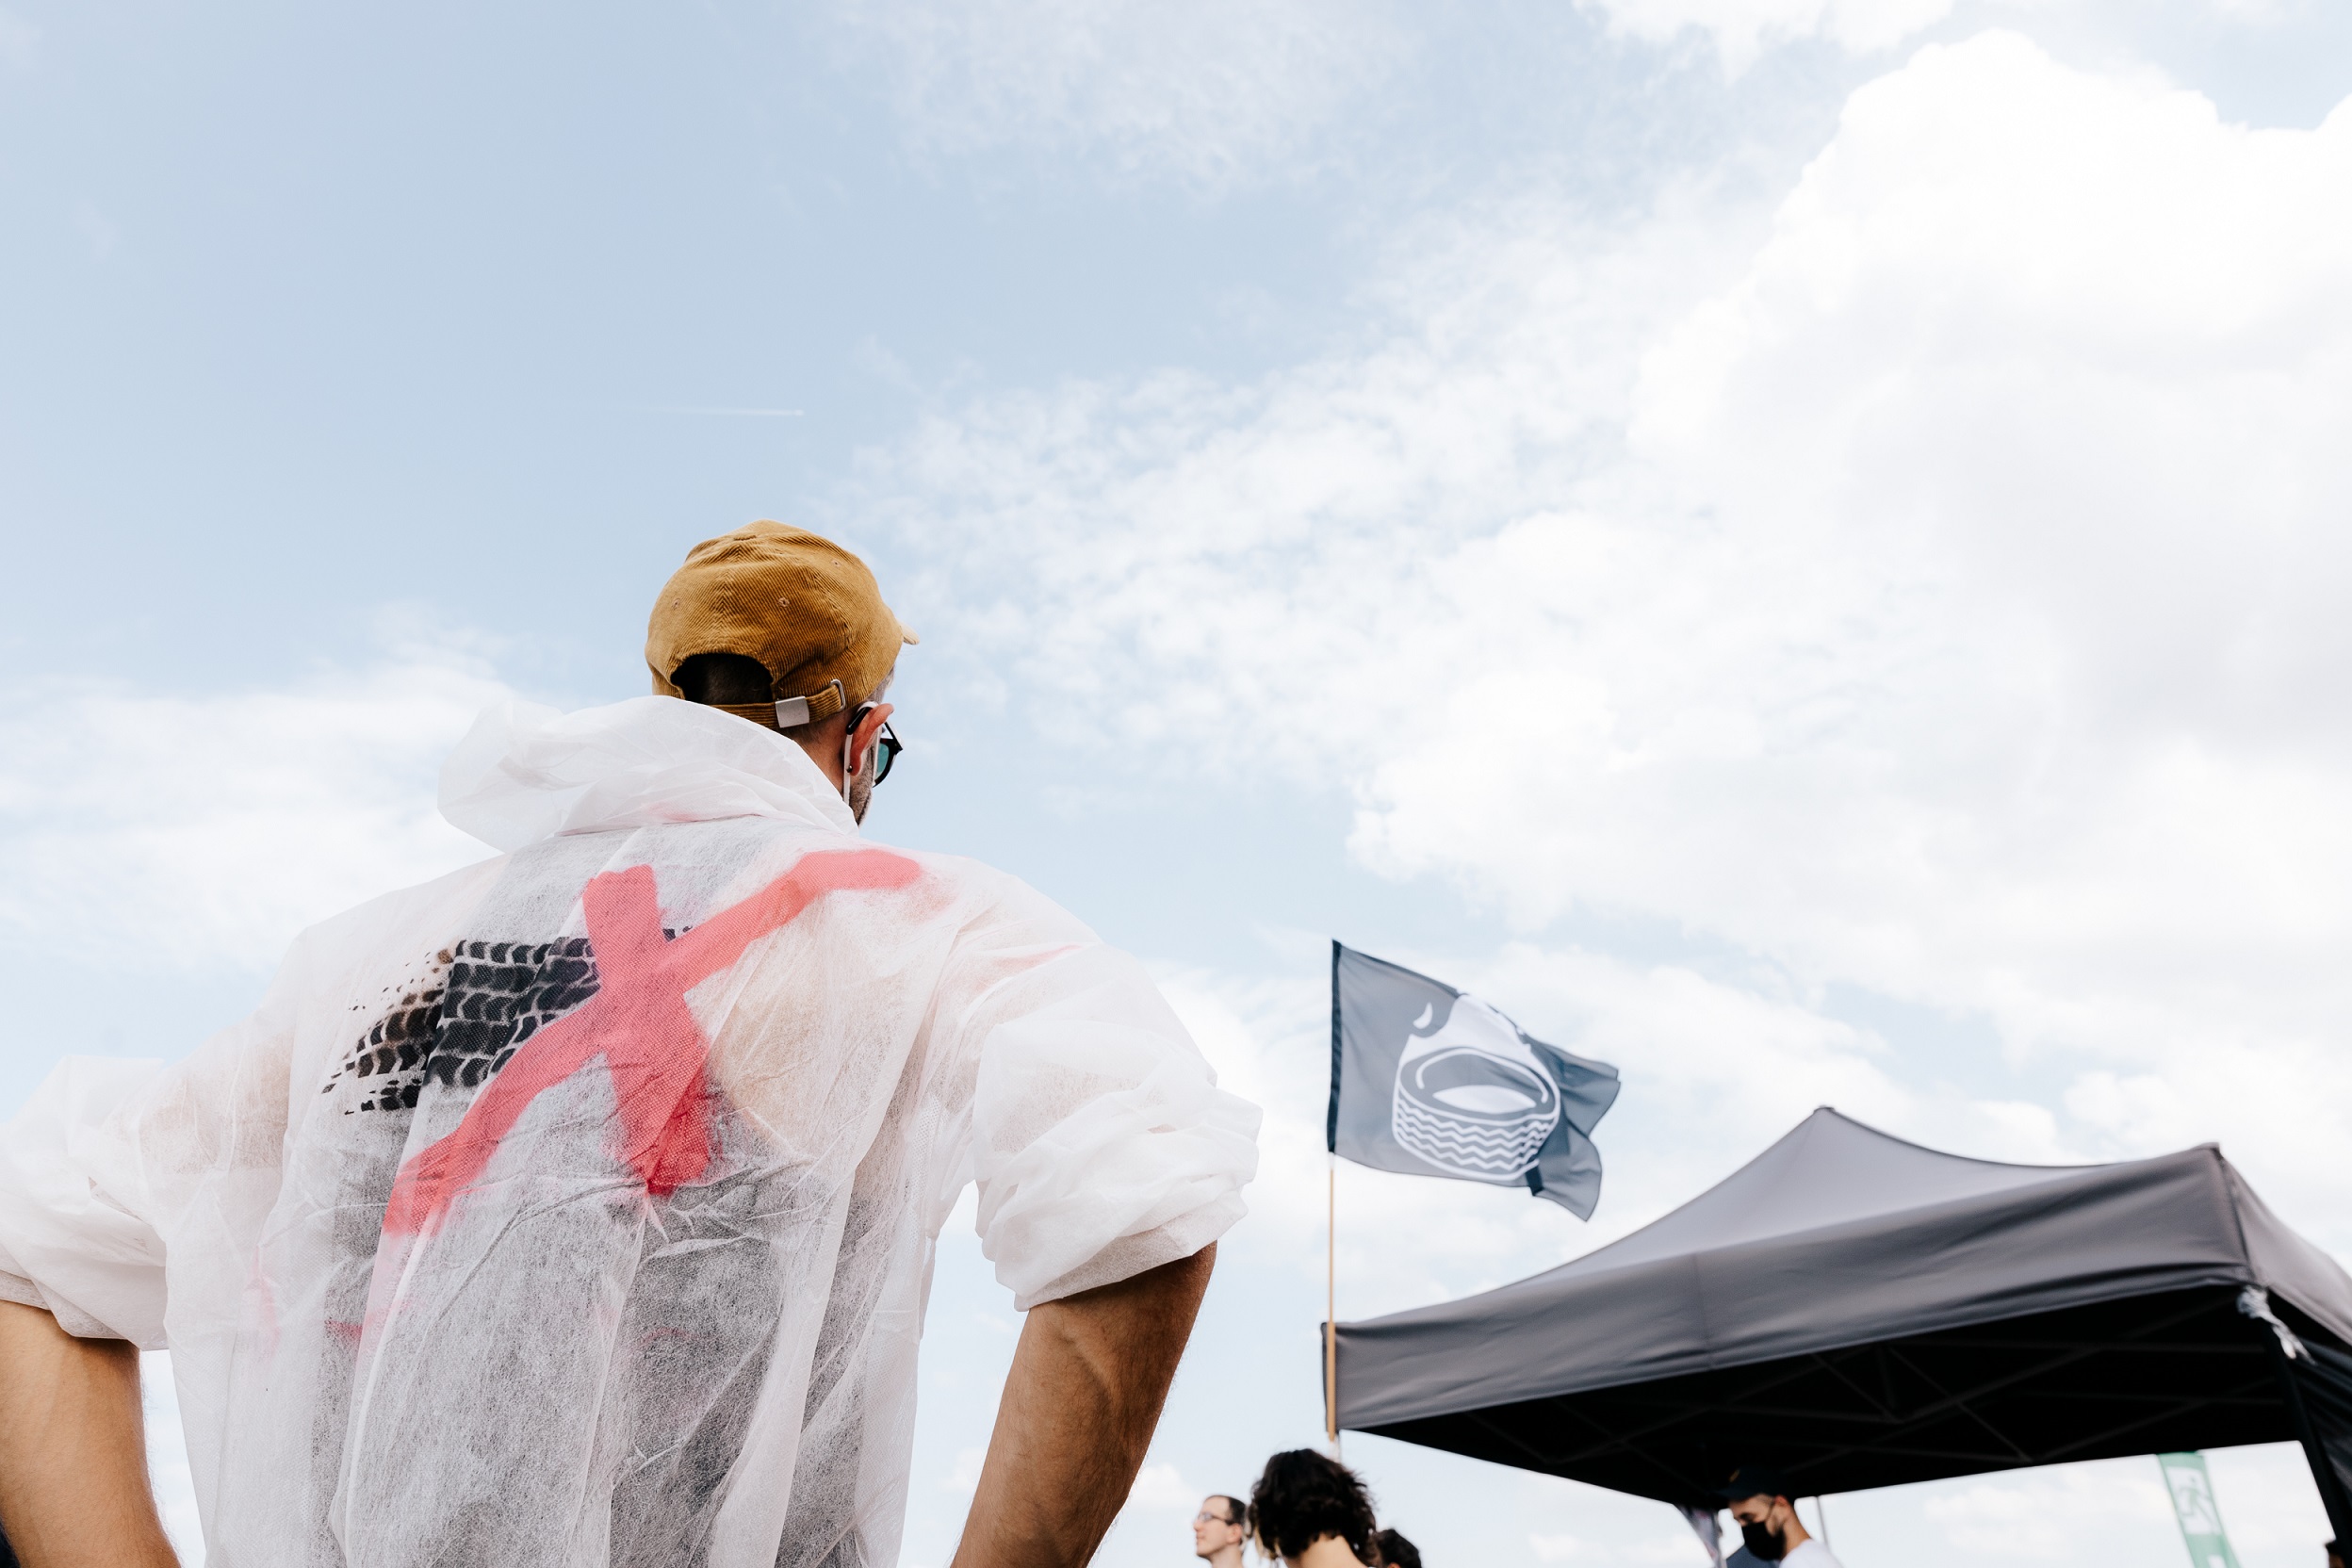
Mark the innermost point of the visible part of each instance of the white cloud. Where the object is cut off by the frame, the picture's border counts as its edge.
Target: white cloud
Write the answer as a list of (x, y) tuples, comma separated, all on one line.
[(1742, 29), (1162, 1486), (184, 831), (2267, 1503), (1212, 95), (2043, 1516), (1936, 593), (2110, 1510)]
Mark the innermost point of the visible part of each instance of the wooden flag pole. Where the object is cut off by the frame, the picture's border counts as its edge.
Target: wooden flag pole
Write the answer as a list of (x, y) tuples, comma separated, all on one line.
[(1331, 1301)]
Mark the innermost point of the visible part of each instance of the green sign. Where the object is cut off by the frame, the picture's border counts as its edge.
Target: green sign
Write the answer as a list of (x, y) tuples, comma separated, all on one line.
[(2192, 1503)]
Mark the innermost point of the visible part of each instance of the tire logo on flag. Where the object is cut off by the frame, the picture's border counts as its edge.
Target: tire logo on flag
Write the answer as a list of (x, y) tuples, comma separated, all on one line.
[(1472, 1099)]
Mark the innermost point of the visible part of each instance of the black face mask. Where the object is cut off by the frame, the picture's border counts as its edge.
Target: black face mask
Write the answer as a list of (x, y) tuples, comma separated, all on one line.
[(1762, 1542)]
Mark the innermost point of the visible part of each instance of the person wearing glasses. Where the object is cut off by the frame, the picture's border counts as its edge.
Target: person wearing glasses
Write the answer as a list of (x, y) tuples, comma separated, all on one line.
[(577, 1209), (1219, 1530)]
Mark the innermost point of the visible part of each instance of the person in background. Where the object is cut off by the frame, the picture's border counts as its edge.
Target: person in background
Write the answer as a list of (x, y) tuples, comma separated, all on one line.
[(1392, 1550), (1219, 1530), (2335, 1556), (1769, 1530), (1312, 1512)]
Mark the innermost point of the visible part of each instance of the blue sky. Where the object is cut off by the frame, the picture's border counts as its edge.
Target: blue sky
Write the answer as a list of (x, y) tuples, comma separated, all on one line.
[(1794, 545)]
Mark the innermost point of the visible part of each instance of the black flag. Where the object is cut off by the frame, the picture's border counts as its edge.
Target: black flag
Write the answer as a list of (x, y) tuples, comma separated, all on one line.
[(1432, 1082)]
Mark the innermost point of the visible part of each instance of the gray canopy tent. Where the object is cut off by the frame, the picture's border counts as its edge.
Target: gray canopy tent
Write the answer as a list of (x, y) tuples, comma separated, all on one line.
[(1863, 1311)]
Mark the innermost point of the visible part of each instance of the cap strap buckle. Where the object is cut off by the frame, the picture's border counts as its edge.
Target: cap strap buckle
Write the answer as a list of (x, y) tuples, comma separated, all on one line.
[(822, 704), (790, 712)]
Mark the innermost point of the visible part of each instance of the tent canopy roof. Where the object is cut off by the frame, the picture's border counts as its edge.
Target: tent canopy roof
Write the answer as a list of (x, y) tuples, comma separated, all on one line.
[(1837, 1237)]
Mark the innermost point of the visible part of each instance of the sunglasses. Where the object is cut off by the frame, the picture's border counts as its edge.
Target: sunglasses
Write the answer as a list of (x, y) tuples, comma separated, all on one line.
[(886, 746)]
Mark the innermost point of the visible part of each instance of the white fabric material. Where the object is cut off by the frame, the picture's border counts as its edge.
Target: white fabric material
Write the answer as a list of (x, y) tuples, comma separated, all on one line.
[(526, 773), (684, 1346)]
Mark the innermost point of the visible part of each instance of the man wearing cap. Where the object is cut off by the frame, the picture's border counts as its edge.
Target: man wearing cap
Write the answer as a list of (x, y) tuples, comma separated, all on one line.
[(1769, 1530), (577, 1209)]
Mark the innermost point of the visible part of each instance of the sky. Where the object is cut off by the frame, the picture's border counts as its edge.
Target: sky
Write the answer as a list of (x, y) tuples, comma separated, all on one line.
[(1794, 546)]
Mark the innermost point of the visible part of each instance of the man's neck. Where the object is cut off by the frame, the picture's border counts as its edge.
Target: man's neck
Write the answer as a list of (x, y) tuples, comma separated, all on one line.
[(1225, 1557), (825, 750)]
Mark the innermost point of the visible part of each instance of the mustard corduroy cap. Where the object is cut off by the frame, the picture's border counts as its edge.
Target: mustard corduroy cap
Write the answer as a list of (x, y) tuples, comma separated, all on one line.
[(807, 609)]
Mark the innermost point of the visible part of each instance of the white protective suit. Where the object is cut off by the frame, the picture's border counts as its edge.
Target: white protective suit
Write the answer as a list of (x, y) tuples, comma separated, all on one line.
[(578, 1207)]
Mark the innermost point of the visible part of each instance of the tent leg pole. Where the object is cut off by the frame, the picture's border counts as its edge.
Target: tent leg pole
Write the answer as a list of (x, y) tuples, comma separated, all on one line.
[(2331, 1492), (1330, 1303)]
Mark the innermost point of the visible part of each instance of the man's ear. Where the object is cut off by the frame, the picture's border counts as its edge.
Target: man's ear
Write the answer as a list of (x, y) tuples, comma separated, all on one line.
[(861, 741)]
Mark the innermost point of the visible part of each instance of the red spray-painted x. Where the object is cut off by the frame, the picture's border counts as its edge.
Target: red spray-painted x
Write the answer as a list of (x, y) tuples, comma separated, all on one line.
[(638, 1022)]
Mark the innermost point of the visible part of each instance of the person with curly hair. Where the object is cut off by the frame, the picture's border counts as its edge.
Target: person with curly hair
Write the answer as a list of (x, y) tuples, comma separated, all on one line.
[(1312, 1512)]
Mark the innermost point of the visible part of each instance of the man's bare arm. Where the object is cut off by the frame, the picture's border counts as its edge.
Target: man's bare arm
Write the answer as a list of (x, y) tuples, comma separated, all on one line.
[(1088, 1382), (73, 1489)]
